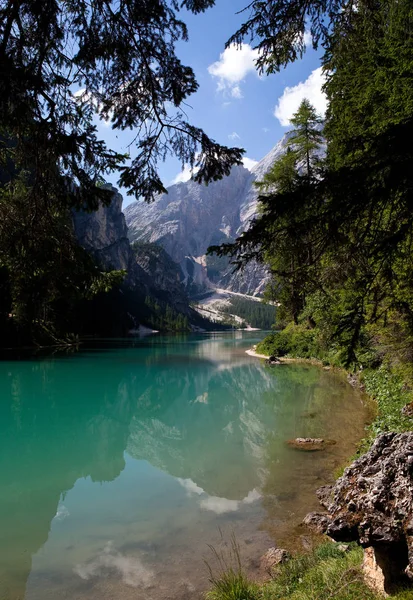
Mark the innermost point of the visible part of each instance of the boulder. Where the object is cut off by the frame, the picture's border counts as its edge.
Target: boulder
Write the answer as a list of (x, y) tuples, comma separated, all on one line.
[(372, 503), (272, 558), (273, 360)]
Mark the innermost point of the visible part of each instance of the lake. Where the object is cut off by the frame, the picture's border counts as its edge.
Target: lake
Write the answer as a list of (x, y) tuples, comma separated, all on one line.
[(122, 462)]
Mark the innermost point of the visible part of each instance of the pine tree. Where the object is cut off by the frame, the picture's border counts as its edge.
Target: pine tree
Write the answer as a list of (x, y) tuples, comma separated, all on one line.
[(282, 176), (306, 137)]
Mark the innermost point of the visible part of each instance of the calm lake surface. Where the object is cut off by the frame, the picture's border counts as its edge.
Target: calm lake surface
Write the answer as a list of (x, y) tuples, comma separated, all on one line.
[(120, 464)]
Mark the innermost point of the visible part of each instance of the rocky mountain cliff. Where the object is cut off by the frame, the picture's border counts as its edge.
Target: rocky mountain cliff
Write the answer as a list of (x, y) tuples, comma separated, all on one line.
[(104, 234), (153, 279), (192, 217)]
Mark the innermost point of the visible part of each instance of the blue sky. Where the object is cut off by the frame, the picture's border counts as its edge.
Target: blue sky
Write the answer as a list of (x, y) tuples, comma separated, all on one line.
[(233, 105)]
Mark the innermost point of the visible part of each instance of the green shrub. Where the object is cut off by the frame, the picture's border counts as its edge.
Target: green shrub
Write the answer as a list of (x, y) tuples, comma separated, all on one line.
[(294, 340), (390, 393)]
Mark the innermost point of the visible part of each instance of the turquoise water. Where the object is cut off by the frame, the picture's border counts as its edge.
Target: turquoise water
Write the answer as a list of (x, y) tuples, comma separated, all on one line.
[(119, 464)]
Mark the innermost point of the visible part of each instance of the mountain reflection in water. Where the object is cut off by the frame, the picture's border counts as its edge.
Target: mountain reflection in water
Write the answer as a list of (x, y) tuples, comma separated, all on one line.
[(119, 464)]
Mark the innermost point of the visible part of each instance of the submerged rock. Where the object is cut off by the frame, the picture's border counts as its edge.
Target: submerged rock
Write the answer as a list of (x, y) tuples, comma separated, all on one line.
[(310, 444), (372, 503), (308, 415)]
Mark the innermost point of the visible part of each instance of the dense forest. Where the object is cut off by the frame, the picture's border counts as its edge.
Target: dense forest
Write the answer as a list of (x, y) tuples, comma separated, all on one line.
[(256, 314)]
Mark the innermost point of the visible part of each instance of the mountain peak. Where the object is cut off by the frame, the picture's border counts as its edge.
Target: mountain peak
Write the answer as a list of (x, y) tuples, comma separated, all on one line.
[(192, 217)]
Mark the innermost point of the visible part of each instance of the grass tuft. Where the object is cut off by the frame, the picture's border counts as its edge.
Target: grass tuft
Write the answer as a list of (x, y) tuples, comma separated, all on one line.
[(227, 577)]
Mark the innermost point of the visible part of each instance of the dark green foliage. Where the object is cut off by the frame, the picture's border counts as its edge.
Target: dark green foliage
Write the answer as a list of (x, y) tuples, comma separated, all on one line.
[(306, 137), (294, 340), (280, 235), (347, 234), (122, 55), (329, 571), (62, 62), (164, 318), (391, 393), (279, 27), (282, 176), (45, 274), (375, 49)]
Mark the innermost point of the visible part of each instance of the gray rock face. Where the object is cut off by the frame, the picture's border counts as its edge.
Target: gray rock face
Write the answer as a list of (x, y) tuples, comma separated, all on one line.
[(192, 217), (372, 503), (104, 234)]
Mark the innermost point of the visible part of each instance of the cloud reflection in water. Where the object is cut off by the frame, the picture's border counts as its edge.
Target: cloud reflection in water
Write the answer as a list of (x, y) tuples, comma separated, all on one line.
[(130, 569), (214, 503)]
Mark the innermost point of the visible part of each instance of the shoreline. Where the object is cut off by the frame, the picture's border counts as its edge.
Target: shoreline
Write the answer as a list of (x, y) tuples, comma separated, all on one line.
[(251, 352), (284, 359)]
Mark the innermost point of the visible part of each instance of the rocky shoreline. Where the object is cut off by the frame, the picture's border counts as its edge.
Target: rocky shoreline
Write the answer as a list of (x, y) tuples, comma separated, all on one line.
[(371, 504)]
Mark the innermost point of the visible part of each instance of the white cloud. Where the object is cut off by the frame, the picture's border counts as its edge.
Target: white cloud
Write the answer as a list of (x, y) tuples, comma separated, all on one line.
[(252, 496), (234, 136), (215, 503), (79, 93), (289, 102), (249, 163), (236, 92), (308, 40), (223, 505), (233, 66), (265, 129), (184, 175)]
